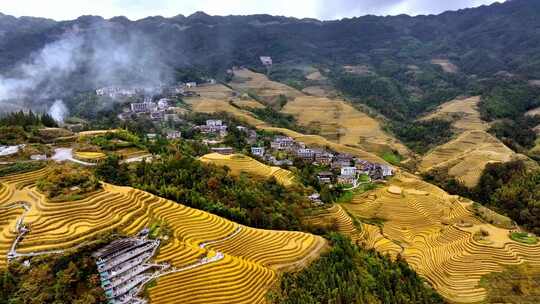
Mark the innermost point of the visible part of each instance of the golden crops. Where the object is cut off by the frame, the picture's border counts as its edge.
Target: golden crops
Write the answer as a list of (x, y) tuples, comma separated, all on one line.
[(340, 122), (434, 232), (252, 259), (239, 163)]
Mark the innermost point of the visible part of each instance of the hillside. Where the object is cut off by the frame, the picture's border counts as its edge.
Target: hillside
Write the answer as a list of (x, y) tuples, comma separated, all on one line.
[(239, 163), (465, 156), (251, 262), (464, 39), (438, 235), (340, 122)]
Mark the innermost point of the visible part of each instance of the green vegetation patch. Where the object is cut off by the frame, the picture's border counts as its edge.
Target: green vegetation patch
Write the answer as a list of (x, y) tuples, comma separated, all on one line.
[(516, 284), (71, 277), (68, 182), (351, 274), (21, 168), (524, 237), (392, 157)]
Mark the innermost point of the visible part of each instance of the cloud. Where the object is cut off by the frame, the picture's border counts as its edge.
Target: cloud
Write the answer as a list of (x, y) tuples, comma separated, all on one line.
[(322, 9)]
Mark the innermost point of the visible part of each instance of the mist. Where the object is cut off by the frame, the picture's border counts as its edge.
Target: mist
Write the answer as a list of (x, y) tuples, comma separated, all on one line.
[(83, 59), (58, 111)]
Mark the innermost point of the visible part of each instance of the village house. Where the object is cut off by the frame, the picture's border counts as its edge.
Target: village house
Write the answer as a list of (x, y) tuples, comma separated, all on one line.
[(117, 92), (258, 151), (143, 107), (163, 104), (252, 137), (323, 157), (305, 154), (174, 135), (282, 143), (214, 126), (325, 177), (157, 115), (315, 199), (266, 60), (191, 84), (346, 179), (349, 171), (223, 150)]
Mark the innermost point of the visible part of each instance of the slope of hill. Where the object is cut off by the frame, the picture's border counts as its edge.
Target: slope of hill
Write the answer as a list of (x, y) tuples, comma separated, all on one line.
[(250, 265), (342, 123), (437, 234), (465, 156), (462, 112), (250, 82), (239, 163)]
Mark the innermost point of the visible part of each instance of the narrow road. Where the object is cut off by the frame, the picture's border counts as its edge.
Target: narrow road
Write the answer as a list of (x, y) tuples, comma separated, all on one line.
[(230, 236), (63, 154)]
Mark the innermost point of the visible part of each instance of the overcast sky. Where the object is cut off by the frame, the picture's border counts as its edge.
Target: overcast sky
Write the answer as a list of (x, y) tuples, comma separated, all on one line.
[(321, 9)]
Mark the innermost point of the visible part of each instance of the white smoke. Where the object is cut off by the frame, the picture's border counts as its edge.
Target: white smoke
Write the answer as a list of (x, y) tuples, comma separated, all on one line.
[(59, 111), (83, 60), (44, 70)]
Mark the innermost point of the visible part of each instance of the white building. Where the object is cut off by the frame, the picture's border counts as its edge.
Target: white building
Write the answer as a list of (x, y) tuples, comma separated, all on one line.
[(258, 151), (387, 170), (348, 171), (174, 135), (190, 85), (214, 123), (163, 104), (266, 60), (305, 153), (143, 107)]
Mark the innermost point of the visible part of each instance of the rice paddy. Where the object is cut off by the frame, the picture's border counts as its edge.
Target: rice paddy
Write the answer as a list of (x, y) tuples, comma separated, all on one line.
[(239, 163), (436, 233), (252, 259)]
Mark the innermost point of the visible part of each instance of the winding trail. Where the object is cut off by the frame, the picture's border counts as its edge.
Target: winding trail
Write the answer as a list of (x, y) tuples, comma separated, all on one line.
[(230, 236)]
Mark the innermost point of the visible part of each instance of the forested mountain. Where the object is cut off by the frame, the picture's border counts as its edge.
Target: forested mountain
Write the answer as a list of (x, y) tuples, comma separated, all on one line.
[(482, 41)]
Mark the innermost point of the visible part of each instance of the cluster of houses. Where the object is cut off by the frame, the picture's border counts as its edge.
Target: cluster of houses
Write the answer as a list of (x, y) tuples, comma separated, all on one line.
[(342, 168)]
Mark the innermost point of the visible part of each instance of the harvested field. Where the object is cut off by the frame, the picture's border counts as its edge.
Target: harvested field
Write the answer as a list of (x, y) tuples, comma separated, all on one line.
[(446, 65), (252, 257), (239, 163), (247, 81), (317, 76), (462, 112), (342, 123), (466, 156), (210, 106), (213, 91), (89, 156), (319, 91), (96, 132), (248, 103), (435, 233)]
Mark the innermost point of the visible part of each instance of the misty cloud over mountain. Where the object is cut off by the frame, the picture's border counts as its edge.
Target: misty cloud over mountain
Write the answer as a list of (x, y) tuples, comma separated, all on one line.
[(83, 59)]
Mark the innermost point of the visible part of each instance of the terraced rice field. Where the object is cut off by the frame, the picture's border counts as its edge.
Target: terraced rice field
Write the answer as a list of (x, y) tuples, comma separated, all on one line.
[(213, 91), (463, 112), (466, 156), (89, 156), (247, 81), (95, 132), (252, 257), (434, 232), (210, 106), (239, 163), (342, 123)]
